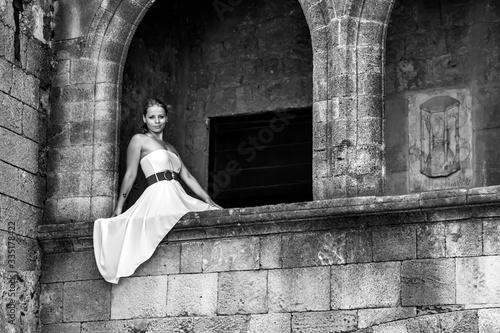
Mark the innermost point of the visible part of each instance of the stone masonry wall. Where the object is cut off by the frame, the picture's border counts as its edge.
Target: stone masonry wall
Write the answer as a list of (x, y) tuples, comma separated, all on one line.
[(439, 45), (24, 93), (424, 262)]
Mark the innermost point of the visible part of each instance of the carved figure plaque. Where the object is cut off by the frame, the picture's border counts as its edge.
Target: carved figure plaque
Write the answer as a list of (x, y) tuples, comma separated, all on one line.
[(440, 136)]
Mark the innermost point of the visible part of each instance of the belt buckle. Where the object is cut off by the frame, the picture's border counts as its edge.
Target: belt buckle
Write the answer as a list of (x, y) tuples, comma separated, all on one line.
[(169, 175)]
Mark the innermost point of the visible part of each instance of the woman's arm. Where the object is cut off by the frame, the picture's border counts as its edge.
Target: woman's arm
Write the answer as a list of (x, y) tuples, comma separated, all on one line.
[(195, 186), (133, 158)]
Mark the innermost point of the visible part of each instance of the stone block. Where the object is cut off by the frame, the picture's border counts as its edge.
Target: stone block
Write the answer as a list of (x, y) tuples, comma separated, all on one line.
[(459, 321), (270, 252), (23, 255), (324, 322), (101, 207), (428, 282), (69, 184), (394, 243), (108, 72), (220, 324), (242, 292), (31, 188), (26, 151), (72, 266), (431, 241), (11, 116), (5, 76), (9, 178), (365, 285), (27, 87), (61, 328), (231, 254), (314, 249), (272, 322), (464, 239), (104, 132), (104, 157), (139, 297), (103, 184), (106, 92), (299, 289), (51, 303), (192, 295), (165, 260), (22, 216), (180, 324), (81, 133), (491, 237), (105, 110), (86, 301), (68, 210), (34, 125), (191, 257), (477, 280), (359, 246), (82, 71), (70, 159), (489, 320), (372, 317), (114, 326)]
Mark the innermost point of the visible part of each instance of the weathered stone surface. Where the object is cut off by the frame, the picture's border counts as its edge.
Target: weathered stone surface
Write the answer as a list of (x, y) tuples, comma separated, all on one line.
[(192, 295), (51, 303), (242, 292), (491, 237), (394, 243), (365, 285), (86, 301), (489, 320), (222, 324), (428, 282), (324, 322), (477, 280), (230, 255), (270, 252), (61, 328), (272, 322), (299, 289), (165, 260), (115, 326), (191, 257), (139, 297), (359, 246), (463, 239), (20, 216), (431, 241), (180, 324), (60, 267), (460, 321), (372, 317), (314, 249)]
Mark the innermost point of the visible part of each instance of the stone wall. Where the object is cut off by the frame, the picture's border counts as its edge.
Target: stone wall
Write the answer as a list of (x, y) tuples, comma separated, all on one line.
[(24, 105), (372, 264), (435, 49)]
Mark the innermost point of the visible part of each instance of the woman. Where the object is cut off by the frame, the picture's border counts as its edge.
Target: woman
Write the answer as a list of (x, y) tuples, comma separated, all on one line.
[(126, 240)]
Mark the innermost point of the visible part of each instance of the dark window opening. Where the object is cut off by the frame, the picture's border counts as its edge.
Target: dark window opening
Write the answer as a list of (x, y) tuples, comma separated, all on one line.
[(18, 8), (261, 159)]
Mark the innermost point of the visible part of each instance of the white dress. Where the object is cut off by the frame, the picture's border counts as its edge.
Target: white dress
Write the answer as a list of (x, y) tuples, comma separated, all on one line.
[(124, 242)]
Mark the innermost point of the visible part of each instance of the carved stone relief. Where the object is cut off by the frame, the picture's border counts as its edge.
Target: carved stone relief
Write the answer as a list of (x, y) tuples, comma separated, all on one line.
[(440, 140)]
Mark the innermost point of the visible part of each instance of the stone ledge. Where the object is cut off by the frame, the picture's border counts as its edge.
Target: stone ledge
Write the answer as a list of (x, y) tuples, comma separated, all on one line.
[(443, 205)]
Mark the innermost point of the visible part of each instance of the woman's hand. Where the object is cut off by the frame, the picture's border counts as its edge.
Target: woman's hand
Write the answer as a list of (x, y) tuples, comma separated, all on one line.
[(212, 203), (117, 212)]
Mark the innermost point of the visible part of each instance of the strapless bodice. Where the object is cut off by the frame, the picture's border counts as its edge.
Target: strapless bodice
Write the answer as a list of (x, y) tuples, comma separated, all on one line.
[(160, 160)]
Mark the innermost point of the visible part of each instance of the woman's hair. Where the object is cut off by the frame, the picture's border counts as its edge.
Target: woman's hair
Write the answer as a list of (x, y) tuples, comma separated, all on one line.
[(154, 102)]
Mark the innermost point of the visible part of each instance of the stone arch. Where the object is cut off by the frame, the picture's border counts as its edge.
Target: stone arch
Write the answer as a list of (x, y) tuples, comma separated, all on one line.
[(101, 67)]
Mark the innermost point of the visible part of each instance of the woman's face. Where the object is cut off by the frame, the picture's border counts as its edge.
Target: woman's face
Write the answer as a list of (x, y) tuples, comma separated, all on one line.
[(155, 119)]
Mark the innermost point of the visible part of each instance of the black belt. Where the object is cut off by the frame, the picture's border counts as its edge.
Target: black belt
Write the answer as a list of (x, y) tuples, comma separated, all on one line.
[(164, 175)]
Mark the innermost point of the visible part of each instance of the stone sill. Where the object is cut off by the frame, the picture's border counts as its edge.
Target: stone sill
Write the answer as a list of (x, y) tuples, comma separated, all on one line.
[(425, 207)]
